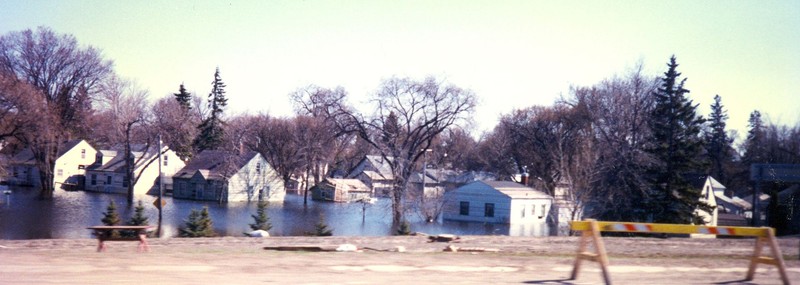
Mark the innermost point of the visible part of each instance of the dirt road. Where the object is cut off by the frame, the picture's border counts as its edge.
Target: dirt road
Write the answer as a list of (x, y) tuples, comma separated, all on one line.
[(519, 260)]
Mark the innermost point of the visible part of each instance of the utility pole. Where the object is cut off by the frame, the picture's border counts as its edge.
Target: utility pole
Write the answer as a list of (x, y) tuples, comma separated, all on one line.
[(160, 188)]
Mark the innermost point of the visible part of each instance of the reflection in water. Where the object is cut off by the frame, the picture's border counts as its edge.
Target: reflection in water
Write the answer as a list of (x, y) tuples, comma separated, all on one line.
[(69, 213)]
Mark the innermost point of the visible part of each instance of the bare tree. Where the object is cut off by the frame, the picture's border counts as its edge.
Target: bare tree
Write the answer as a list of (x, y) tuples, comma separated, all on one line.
[(124, 104), (177, 126), (275, 139), (618, 109), (66, 75), (409, 114)]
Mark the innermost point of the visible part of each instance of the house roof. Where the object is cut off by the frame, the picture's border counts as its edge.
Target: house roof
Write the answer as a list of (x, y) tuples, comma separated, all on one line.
[(374, 166), (351, 185), (117, 162), (211, 164), (471, 176), (510, 189), (25, 156)]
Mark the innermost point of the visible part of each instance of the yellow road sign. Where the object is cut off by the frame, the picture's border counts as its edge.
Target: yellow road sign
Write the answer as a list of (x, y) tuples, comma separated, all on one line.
[(163, 203)]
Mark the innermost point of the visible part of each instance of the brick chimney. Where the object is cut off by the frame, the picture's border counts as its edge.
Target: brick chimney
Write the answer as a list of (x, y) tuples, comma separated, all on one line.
[(524, 178)]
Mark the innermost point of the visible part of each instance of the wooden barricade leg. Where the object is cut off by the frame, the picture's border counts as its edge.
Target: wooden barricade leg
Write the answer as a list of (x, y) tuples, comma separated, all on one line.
[(143, 247), (582, 254), (100, 245), (776, 259), (599, 256)]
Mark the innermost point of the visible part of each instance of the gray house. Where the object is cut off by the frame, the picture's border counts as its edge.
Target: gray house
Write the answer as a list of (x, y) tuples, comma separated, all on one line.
[(222, 176), (502, 202)]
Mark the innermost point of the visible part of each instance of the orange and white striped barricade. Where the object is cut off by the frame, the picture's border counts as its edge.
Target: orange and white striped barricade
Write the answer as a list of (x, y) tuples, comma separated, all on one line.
[(590, 230)]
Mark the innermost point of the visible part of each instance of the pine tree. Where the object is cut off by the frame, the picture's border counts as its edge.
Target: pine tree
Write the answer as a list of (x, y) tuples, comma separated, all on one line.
[(404, 229), (261, 218), (321, 228), (111, 218), (754, 150), (211, 129), (184, 98), (676, 146), (198, 224), (183, 142), (138, 219), (718, 145)]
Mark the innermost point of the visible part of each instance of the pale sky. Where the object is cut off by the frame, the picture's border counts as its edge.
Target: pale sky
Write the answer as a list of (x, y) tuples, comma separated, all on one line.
[(512, 54)]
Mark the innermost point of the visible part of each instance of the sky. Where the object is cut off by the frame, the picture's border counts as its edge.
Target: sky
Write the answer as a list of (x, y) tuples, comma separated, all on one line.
[(512, 54)]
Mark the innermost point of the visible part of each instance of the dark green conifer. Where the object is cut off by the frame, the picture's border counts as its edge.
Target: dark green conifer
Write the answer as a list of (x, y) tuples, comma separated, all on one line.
[(211, 129), (677, 149), (111, 218), (198, 224), (261, 218), (184, 98), (404, 229), (321, 228)]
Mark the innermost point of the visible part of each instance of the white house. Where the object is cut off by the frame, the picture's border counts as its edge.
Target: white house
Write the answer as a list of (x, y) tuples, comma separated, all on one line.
[(497, 202), (376, 173), (108, 172), (70, 165), (225, 177)]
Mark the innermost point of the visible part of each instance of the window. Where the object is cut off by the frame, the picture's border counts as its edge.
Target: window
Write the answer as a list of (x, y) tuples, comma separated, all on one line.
[(94, 179), (533, 210), (108, 179), (60, 172), (125, 181), (165, 160), (258, 168), (488, 210), (83, 153), (544, 207), (464, 210)]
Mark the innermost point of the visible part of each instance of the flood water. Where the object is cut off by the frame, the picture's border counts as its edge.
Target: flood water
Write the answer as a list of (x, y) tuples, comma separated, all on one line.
[(24, 216)]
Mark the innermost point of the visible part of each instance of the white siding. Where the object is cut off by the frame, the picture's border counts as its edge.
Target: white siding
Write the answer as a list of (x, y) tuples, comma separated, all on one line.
[(506, 209), (246, 184)]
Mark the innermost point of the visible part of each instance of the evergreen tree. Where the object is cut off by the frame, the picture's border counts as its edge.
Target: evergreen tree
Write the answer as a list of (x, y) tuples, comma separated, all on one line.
[(677, 148), (261, 218), (211, 129), (182, 144), (321, 228), (111, 218), (184, 98), (718, 145), (139, 218), (404, 229), (754, 149), (198, 224)]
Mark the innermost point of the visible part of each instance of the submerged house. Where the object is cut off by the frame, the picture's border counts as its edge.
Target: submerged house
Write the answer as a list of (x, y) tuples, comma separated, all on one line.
[(376, 173), (70, 166), (503, 202), (340, 190), (108, 174), (225, 177)]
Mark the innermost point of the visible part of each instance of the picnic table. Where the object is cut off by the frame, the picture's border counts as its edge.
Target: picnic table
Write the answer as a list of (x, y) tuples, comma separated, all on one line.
[(121, 233)]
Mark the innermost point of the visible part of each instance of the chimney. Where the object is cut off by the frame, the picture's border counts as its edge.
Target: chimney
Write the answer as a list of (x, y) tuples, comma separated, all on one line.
[(524, 179)]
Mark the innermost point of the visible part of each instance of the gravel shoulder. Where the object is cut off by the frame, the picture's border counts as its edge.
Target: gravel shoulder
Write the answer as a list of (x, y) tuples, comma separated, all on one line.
[(518, 260)]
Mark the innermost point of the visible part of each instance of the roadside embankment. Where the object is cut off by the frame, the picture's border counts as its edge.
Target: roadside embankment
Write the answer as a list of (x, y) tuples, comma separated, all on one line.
[(240, 260)]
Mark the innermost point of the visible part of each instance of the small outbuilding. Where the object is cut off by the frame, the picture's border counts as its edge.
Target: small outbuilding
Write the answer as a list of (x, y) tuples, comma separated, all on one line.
[(340, 190), (502, 202)]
